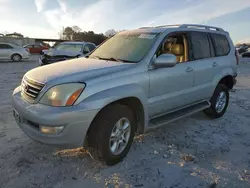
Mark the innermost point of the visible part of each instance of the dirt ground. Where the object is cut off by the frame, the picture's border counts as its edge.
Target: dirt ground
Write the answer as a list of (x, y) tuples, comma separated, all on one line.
[(220, 149)]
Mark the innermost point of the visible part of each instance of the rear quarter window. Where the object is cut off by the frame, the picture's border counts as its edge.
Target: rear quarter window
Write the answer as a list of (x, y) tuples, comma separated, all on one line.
[(221, 44)]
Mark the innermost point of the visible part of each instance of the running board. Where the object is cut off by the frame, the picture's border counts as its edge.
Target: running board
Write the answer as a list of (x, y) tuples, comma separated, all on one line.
[(173, 116)]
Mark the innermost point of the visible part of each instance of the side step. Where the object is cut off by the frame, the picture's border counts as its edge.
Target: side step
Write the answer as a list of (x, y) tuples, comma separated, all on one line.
[(175, 115)]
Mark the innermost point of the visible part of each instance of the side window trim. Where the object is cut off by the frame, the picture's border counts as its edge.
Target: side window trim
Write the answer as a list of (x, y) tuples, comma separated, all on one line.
[(190, 46), (211, 45)]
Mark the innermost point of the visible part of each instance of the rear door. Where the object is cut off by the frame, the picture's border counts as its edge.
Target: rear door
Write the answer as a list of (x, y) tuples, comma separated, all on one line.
[(205, 64), (225, 56)]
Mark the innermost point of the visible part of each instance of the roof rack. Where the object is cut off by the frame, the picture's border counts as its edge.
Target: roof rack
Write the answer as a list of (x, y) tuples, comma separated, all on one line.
[(190, 26), (201, 26), (145, 27), (176, 25)]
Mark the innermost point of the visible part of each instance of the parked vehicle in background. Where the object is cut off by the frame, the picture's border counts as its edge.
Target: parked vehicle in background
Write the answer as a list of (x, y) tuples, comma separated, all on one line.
[(36, 48), (242, 50), (136, 81), (66, 50), (13, 52), (247, 53), (44, 51)]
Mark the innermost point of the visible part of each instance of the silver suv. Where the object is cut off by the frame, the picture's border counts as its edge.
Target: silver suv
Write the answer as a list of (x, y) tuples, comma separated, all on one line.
[(135, 81)]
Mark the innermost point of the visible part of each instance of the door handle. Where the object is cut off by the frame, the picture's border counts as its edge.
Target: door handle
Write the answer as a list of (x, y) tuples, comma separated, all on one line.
[(214, 64), (189, 69)]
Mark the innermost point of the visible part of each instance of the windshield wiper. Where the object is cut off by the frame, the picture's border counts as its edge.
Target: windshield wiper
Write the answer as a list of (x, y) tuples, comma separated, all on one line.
[(116, 59)]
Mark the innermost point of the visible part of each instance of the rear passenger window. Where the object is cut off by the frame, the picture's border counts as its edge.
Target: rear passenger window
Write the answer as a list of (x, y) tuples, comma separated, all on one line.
[(5, 46), (221, 44), (200, 46)]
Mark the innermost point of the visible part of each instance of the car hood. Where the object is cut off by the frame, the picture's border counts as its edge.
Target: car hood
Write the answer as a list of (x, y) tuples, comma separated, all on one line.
[(76, 70)]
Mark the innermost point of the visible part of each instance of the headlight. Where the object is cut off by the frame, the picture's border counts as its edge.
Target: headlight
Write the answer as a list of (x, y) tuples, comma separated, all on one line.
[(62, 95)]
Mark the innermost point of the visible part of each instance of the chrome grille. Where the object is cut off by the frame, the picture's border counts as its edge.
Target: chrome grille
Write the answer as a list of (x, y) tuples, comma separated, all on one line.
[(31, 88)]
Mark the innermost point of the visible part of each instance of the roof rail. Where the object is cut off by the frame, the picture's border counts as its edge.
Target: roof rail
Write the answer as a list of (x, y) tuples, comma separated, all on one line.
[(145, 27), (175, 25), (201, 26), (191, 26)]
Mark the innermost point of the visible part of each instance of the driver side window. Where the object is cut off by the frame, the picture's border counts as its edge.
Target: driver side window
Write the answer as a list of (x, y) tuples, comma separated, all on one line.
[(177, 45)]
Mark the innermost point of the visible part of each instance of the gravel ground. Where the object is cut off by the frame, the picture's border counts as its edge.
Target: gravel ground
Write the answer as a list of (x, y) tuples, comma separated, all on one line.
[(190, 153)]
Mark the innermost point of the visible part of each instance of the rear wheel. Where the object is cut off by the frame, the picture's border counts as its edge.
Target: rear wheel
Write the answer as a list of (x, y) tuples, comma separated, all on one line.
[(111, 134), (16, 57), (219, 102)]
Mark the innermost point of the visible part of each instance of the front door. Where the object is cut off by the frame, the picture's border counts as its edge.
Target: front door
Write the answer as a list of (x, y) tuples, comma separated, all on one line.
[(172, 88)]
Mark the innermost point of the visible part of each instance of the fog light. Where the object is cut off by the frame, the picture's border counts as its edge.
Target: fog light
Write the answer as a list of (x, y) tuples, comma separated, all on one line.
[(51, 130)]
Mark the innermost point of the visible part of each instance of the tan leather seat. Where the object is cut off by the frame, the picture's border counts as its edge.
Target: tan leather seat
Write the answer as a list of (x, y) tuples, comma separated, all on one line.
[(178, 51), (167, 48)]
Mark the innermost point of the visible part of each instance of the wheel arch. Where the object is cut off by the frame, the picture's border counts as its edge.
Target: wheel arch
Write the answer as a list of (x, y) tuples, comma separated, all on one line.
[(134, 104), (227, 81), (133, 96), (16, 53), (224, 77)]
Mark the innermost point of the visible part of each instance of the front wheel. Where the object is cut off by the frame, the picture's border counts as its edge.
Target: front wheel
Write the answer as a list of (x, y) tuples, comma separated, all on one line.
[(111, 134), (16, 57), (219, 102)]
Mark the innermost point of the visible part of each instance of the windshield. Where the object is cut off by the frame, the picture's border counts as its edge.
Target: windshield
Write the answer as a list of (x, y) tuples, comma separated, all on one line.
[(69, 47), (127, 47)]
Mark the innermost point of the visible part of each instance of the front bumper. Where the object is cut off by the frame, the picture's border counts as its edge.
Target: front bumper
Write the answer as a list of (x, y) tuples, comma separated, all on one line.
[(25, 56), (45, 60), (75, 119)]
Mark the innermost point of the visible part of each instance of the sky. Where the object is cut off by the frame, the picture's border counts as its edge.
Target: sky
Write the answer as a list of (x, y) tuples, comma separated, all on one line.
[(46, 18)]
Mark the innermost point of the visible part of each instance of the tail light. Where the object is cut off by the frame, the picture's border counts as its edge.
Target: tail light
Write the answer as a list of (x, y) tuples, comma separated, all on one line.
[(27, 49), (237, 57)]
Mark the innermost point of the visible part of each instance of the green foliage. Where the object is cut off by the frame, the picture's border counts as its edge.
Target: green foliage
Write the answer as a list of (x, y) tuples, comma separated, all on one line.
[(75, 34)]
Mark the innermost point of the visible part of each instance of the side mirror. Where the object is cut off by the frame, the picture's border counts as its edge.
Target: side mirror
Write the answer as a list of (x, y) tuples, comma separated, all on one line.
[(165, 60)]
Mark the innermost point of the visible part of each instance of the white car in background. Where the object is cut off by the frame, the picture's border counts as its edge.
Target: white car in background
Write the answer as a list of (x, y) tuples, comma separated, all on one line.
[(13, 52)]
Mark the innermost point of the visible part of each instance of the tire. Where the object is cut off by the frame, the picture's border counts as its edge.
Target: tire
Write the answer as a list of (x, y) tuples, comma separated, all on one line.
[(218, 111), (16, 58), (99, 137)]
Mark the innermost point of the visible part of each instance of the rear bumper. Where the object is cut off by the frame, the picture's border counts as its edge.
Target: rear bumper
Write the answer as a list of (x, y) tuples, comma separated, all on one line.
[(75, 119)]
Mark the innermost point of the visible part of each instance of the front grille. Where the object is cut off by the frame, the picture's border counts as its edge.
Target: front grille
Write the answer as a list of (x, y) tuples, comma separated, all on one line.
[(31, 88)]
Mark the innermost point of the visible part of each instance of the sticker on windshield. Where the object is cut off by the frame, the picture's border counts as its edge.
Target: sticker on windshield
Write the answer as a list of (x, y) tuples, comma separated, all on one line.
[(146, 36)]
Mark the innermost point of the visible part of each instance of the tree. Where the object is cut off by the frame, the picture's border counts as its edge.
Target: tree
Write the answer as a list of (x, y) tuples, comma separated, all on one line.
[(110, 33), (76, 29), (68, 33), (75, 34)]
